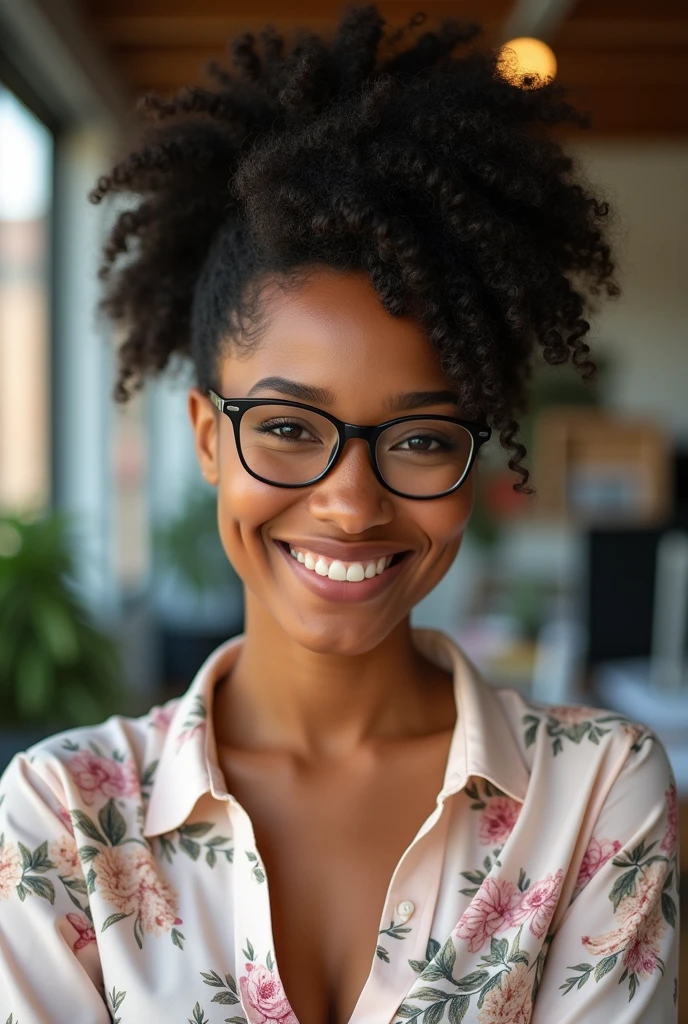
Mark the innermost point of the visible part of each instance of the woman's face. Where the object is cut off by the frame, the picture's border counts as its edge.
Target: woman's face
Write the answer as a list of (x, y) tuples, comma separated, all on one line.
[(333, 334)]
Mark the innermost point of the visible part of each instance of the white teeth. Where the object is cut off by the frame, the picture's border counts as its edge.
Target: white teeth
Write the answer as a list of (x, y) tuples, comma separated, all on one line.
[(355, 572)]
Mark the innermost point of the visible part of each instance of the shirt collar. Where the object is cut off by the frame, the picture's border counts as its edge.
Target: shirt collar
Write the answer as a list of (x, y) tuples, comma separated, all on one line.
[(483, 743)]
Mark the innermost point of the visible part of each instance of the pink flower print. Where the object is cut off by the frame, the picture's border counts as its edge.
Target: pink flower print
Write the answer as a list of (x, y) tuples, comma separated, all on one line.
[(263, 992), (635, 732), (66, 818), (509, 1002), (670, 839), (633, 912), (116, 879), (572, 714), (161, 716), (642, 953), (498, 820), (10, 869), (129, 880), (489, 910), (93, 774), (599, 851), (85, 933), (65, 856), (538, 903)]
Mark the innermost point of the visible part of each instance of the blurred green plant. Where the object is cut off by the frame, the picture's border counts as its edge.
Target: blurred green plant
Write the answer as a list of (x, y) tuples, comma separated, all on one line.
[(190, 545), (56, 667)]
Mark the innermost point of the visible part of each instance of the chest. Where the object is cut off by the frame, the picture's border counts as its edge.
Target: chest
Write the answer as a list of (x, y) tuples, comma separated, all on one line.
[(330, 839)]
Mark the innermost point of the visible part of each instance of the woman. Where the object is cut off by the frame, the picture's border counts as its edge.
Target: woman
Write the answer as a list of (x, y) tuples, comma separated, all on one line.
[(360, 244)]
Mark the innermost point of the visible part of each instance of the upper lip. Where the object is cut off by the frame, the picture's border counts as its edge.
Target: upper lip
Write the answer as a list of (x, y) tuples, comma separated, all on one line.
[(344, 551)]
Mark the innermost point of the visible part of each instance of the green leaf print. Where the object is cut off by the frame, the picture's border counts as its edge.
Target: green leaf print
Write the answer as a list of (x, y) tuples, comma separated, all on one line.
[(115, 999), (138, 931), (452, 1006), (199, 1016), (197, 829), (531, 723), (668, 909), (455, 1006), (190, 847), (149, 773), (82, 821), (395, 931), (623, 886), (177, 938), (229, 996), (42, 887), (257, 870), (432, 949), (112, 822), (87, 853), (114, 918)]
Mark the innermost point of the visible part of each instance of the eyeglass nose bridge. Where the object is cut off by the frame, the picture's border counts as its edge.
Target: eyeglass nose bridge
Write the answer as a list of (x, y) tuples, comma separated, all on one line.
[(349, 432)]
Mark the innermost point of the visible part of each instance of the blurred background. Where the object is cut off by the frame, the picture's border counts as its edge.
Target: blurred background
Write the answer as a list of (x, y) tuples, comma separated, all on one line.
[(113, 587)]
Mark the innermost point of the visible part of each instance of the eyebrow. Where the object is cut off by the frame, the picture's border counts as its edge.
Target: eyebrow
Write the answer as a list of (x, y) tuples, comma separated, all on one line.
[(322, 396)]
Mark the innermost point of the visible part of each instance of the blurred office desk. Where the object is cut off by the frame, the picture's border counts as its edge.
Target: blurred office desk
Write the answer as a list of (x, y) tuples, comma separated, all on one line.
[(624, 685)]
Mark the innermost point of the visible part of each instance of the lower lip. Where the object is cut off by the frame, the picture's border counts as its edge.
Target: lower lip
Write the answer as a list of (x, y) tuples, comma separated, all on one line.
[(340, 591)]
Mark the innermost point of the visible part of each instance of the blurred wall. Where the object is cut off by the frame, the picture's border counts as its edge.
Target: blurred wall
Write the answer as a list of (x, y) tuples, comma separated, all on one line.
[(646, 330)]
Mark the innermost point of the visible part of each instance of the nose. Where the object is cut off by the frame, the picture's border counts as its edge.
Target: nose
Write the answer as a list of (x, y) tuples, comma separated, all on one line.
[(350, 496)]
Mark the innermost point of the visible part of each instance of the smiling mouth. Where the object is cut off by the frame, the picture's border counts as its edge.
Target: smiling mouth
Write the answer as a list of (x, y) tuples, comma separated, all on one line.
[(341, 571)]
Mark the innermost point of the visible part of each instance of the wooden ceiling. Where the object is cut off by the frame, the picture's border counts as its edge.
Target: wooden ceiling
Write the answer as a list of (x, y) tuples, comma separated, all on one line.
[(624, 61)]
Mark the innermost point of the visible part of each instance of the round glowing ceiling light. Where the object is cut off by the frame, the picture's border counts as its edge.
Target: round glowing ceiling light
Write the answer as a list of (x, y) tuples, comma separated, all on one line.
[(527, 62)]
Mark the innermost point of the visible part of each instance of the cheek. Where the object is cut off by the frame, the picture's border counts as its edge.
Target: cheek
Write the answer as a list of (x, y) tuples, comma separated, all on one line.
[(245, 506), (445, 520)]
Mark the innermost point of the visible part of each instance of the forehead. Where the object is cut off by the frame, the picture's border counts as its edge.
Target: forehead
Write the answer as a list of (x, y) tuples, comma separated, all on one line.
[(332, 331)]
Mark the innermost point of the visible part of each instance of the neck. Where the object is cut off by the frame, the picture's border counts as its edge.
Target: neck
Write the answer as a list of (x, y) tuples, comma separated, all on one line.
[(282, 696)]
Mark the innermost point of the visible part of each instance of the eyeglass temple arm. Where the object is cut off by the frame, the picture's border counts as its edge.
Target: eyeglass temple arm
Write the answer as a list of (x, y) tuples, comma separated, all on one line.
[(219, 403)]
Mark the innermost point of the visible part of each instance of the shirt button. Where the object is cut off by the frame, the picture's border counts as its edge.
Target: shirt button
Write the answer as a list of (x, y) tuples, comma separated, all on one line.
[(404, 910)]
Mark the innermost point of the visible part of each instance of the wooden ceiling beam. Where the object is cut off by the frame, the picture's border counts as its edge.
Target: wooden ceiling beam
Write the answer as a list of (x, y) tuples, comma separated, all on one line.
[(148, 31), (302, 11)]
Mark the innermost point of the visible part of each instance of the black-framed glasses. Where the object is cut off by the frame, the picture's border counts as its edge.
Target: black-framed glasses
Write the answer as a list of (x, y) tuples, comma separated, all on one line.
[(289, 444)]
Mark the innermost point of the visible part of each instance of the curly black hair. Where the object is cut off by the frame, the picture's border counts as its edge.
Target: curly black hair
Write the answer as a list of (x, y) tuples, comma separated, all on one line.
[(387, 152)]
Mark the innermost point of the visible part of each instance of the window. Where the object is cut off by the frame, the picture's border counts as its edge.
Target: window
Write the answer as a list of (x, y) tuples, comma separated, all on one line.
[(26, 186)]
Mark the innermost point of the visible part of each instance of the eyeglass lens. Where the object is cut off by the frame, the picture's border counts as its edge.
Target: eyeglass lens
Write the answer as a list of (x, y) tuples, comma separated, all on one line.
[(289, 445)]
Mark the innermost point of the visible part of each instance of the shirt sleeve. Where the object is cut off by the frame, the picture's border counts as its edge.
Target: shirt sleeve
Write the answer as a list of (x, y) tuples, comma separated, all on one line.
[(614, 957), (49, 965)]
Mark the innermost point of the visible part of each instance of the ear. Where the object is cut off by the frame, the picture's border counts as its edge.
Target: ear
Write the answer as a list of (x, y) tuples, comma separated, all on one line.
[(205, 425)]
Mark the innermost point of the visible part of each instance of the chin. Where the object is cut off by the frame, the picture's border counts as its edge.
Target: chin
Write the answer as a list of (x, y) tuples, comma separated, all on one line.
[(337, 636)]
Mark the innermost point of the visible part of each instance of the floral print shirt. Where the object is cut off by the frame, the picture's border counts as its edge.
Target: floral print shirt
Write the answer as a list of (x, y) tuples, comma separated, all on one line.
[(542, 887)]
